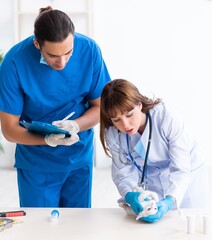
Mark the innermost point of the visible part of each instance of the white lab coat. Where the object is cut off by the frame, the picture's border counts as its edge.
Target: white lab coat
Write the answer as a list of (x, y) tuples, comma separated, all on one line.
[(174, 165)]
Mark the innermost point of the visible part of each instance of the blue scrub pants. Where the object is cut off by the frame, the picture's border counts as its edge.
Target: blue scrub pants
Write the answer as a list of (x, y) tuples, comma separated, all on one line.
[(63, 189)]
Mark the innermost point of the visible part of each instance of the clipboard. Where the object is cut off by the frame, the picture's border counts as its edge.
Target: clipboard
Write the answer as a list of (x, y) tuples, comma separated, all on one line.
[(43, 128)]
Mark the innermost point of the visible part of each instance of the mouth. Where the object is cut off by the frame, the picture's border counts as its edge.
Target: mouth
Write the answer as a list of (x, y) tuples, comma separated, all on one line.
[(58, 67), (129, 131)]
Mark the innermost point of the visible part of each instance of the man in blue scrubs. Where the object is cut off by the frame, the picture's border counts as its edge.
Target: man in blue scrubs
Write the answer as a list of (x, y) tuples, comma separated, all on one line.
[(44, 78)]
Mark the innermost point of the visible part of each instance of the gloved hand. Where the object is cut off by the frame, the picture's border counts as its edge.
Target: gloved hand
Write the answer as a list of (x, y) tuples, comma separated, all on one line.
[(163, 207), (68, 125), (54, 140), (132, 199)]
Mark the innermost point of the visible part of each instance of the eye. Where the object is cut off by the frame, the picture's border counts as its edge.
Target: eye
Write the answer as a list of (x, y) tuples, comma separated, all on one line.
[(52, 56), (115, 119), (69, 53), (129, 114)]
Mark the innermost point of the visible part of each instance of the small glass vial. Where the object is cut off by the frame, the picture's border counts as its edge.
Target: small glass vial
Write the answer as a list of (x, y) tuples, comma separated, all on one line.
[(54, 216)]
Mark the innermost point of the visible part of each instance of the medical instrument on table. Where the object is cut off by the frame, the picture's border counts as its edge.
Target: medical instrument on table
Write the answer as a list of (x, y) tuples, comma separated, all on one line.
[(5, 223), (68, 116), (54, 216), (12, 214), (141, 183)]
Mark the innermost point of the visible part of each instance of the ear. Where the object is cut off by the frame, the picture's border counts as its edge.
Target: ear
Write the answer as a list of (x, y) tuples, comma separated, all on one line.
[(36, 43), (140, 105)]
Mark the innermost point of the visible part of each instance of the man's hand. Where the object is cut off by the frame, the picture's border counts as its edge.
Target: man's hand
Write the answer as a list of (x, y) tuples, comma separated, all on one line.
[(68, 125), (54, 140)]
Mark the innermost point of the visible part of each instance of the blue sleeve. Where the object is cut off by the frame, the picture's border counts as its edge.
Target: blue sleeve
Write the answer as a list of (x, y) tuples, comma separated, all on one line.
[(11, 96)]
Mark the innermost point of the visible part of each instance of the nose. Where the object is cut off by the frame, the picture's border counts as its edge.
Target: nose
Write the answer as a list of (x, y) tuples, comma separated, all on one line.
[(61, 60), (125, 123)]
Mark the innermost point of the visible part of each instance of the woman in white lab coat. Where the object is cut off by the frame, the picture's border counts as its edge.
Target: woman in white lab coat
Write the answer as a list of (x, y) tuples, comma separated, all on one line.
[(173, 169)]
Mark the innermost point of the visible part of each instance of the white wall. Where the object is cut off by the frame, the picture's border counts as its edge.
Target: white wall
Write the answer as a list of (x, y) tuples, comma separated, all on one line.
[(6, 25), (7, 158), (164, 47)]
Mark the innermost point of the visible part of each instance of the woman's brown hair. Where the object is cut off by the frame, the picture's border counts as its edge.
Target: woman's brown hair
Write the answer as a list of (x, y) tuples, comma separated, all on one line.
[(120, 95)]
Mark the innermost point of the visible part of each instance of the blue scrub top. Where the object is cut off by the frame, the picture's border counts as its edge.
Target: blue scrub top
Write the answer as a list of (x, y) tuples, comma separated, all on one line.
[(37, 92)]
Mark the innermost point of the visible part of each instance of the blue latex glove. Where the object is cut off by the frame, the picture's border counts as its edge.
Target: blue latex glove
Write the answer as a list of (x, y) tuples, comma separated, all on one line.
[(163, 207), (132, 199)]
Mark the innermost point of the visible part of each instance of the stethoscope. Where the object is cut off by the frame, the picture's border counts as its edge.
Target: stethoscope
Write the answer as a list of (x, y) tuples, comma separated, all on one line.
[(143, 171)]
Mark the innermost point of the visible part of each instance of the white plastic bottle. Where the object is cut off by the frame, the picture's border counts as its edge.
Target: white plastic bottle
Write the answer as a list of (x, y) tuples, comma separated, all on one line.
[(191, 224), (206, 224)]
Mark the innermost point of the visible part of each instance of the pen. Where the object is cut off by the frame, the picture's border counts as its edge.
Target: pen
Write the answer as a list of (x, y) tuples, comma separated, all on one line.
[(68, 116), (12, 214)]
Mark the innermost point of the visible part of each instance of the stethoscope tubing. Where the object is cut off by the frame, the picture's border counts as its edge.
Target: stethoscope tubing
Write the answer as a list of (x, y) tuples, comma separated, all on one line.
[(144, 171), (148, 148)]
